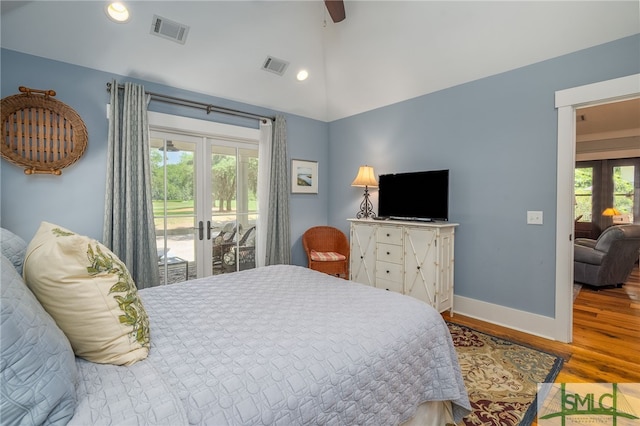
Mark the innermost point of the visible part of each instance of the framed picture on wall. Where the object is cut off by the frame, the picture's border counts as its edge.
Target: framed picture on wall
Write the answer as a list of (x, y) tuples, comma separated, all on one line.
[(304, 177)]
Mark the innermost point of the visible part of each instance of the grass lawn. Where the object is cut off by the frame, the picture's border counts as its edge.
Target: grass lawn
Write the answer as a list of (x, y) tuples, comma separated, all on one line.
[(173, 208), (179, 208), (180, 214)]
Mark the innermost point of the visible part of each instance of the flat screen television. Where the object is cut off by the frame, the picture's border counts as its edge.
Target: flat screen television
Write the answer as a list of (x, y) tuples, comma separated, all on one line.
[(421, 196)]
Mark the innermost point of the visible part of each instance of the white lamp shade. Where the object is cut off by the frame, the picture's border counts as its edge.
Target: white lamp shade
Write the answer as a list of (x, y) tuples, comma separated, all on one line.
[(366, 177)]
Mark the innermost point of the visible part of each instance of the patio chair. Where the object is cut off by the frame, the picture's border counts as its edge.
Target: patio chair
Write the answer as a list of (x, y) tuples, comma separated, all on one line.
[(222, 243), (245, 252)]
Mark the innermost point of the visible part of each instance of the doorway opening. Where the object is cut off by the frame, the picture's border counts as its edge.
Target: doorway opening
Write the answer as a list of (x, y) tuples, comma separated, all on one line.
[(567, 102), (607, 166)]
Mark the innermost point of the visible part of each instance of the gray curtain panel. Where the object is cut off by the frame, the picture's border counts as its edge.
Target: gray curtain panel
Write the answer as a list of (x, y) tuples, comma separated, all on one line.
[(129, 229), (278, 231)]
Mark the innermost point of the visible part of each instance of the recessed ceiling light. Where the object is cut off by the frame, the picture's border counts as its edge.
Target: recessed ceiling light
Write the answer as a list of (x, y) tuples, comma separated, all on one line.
[(302, 75), (117, 12)]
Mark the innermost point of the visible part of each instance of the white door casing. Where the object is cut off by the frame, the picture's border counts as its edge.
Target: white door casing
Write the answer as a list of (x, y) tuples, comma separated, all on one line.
[(567, 101)]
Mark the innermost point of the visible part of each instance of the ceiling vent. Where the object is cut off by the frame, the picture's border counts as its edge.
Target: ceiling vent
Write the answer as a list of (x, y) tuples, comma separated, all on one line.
[(275, 65), (168, 29)]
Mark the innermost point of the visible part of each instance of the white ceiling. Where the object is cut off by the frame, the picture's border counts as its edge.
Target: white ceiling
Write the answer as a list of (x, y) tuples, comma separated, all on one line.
[(382, 53), (615, 120)]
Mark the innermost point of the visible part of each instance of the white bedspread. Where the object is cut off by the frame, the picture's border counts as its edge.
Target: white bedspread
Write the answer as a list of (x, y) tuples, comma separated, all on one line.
[(281, 345)]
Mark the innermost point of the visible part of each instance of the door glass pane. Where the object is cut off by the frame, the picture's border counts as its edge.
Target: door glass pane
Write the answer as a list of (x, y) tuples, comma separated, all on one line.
[(623, 193), (583, 194), (174, 207), (234, 184)]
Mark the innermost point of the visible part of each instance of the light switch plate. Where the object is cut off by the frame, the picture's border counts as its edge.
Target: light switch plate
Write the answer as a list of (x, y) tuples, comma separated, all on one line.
[(534, 217)]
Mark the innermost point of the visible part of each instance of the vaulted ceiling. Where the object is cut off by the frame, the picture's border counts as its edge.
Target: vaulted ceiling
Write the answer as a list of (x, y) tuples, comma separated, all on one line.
[(382, 53)]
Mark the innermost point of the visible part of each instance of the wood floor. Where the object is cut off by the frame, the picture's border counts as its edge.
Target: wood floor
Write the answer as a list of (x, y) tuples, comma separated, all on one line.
[(606, 335)]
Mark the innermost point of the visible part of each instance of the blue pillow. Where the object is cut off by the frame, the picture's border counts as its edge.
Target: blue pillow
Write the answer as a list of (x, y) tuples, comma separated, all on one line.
[(39, 373), (13, 248)]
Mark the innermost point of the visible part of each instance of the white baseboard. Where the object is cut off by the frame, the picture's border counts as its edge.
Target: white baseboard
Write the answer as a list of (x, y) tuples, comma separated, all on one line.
[(526, 322)]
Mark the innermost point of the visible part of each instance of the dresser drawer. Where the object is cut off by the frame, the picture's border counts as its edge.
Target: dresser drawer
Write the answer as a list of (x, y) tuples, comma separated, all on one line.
[(389, 235), (389, 285), (389, 271), (389, 253)]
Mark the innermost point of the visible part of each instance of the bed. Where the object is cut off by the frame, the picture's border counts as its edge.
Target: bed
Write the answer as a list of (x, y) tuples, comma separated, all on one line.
[(279, 345)]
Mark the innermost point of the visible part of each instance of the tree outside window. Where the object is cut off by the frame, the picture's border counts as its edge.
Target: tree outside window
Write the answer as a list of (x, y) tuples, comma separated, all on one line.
[(623, 191), (584, 193)]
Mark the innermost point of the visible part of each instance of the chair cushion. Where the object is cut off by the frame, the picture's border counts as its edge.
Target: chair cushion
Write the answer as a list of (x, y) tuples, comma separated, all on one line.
[(326, 256), (90, 294), (585, 242), (13, 248), (38, 366), (584, 254)]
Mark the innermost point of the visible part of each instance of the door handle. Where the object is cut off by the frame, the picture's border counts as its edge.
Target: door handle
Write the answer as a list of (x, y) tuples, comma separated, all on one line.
[(200, 230), (208, 230)]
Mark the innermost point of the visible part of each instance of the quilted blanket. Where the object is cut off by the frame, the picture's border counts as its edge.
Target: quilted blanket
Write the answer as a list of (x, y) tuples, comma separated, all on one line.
[(279, 345)]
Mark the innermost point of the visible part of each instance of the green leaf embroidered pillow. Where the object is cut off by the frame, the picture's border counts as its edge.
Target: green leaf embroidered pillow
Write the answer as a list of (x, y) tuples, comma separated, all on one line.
[(89, 293)]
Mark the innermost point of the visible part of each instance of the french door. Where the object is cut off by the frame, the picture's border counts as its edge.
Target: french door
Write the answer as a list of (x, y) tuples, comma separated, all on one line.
[(204, 192), (233, 208)]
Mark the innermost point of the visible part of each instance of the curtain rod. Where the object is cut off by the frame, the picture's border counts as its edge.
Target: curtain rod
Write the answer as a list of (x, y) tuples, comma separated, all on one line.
[(199, 105)]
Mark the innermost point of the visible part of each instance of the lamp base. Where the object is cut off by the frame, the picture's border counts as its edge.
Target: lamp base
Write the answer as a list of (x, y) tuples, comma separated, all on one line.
[(366, 207)]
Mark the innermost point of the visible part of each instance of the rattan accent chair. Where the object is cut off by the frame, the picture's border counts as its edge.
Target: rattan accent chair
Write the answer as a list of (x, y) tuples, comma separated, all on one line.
[(327, 250)]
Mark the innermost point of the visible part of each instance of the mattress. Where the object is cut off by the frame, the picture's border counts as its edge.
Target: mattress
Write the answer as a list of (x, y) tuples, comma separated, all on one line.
[(278, 345)]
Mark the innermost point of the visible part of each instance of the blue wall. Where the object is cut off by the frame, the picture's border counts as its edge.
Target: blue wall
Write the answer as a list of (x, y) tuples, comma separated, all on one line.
[(76, 198), (498, 136)]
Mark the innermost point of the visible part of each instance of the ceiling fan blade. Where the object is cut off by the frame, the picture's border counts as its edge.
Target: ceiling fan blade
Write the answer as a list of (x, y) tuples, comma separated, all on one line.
[(336, 9)]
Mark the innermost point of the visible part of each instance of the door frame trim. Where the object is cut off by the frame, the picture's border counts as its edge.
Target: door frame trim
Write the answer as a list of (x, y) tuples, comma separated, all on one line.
[(566, 102), (168, 122)]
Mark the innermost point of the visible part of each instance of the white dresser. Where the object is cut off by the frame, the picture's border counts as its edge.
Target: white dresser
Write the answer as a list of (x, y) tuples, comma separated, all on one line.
[(412, 258)]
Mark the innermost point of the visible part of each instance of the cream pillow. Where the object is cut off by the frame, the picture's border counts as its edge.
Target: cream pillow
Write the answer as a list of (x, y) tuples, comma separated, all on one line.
[(89, 293)]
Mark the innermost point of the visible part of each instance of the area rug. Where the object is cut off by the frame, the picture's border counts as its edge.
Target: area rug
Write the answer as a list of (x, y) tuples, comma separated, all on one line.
[(501, 377)]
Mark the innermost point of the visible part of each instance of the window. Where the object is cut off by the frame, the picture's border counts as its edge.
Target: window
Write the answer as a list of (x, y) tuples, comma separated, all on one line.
[(625, 185), (584, 193), (604, 184)]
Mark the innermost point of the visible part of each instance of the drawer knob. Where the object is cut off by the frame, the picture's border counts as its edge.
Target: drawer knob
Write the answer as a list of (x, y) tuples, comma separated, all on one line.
[(388, 235), (418, 267), (387, 271), (388, 253)]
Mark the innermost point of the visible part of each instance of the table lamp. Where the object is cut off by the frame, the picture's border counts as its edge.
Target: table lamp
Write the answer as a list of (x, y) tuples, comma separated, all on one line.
[(611, 211), (367, 178)]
